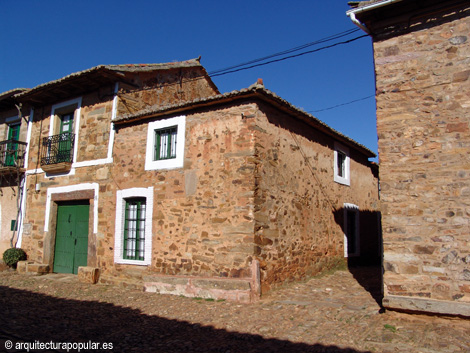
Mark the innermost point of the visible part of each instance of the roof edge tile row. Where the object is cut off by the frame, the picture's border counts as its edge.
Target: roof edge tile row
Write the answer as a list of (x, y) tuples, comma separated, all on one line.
[(116, 70)]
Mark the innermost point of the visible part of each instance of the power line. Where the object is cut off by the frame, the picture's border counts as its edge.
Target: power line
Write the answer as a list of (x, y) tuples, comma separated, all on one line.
[(341, 104), (289, 57), (255, 62), (288, 51)]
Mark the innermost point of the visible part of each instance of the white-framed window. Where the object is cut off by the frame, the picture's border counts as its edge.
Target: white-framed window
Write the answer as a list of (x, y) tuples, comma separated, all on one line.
[(351, 230), (133, 232), (341, 165), (165, 143), (64, 124)]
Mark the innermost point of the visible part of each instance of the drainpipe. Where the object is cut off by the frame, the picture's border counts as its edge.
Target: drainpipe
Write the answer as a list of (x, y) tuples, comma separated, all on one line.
[(352, 13), (353, 18)]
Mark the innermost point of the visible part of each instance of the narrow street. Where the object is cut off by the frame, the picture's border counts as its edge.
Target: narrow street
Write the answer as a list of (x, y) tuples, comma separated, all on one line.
[(338, 312)]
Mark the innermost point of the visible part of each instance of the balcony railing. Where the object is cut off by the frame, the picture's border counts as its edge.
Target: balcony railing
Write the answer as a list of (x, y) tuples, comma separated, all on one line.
[(12, 154), (57, 150)]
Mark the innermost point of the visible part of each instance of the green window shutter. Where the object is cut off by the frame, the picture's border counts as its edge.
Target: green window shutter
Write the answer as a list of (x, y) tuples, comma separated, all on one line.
[(12, 147), (14, 132), (65, 142), (157, 146), (134, 229), (165, 143)]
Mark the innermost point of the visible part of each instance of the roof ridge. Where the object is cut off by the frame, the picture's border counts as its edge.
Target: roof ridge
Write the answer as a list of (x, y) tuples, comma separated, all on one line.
[(116, 69), (147, 66), (13, 92)]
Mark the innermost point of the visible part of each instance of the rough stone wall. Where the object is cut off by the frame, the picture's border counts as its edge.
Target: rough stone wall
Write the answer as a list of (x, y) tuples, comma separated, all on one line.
[(245, 193), (203, 213), (8, 213), (423, 91), (8, 182), (95, 126), (298, 206), (165, 87)]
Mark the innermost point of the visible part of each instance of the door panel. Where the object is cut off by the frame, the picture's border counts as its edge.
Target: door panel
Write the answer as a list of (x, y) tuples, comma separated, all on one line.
[(81, 245), (71, 246)]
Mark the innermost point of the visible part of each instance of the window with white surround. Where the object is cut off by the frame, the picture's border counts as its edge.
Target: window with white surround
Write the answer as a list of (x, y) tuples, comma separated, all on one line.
[(134, 229), (351, 230), (341, 165), (133, 233), (165, 143), (61, 145)]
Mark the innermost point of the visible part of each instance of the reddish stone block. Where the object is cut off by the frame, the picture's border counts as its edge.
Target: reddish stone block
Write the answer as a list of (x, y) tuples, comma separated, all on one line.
[(459, 127)]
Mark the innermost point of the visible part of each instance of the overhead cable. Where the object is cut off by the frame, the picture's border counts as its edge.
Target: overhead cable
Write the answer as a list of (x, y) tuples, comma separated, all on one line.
[(288, 51), (340, 105), (288, 57)]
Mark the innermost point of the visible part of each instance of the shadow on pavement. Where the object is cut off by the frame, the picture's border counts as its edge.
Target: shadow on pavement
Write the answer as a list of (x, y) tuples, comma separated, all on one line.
[(27, 316), (370, 278)]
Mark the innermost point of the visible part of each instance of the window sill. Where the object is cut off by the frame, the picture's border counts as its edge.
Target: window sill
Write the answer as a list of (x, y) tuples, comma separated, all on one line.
[(62, 167), (342, 181), (132, 262)]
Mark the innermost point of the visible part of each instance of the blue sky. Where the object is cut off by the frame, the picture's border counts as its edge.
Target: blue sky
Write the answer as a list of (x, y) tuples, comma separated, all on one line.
[(46, 40)]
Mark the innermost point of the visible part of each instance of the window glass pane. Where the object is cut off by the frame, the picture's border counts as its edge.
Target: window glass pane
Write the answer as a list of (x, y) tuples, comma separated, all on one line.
[(173, 143), (66, 123), (165, 143), (134, 229), (341, 158)]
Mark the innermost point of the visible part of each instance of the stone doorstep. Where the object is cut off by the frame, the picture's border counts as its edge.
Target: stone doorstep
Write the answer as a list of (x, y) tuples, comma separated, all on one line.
[(22, 266), (120, 282), (31, 268), (235, 290), (445, 307), (87, 274)]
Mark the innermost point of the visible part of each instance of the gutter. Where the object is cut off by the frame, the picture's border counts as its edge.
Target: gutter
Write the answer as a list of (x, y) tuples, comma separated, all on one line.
[(352, 13)]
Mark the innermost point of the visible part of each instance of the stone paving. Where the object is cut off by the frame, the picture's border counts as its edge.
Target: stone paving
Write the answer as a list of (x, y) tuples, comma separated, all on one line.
[(338, 312)]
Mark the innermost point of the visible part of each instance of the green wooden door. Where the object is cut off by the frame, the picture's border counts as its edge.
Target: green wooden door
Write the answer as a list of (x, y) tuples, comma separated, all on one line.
[(71, 244), (12, 147)]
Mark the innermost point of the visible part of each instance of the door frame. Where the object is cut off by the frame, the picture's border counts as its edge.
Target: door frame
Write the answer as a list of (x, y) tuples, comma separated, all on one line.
[(73, 203), (56, 200)]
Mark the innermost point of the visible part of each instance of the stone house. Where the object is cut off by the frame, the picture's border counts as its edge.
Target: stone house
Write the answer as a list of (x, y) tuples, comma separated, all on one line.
[(65, 147), (421, 54), (171, 186), (257, 192), (13, 149)]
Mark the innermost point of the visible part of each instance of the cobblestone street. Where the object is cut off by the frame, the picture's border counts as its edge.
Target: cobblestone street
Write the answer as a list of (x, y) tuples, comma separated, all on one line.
[(331, 313)]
